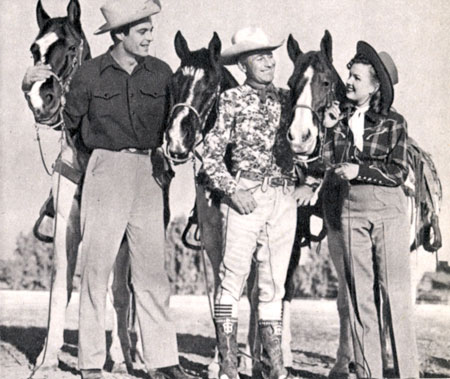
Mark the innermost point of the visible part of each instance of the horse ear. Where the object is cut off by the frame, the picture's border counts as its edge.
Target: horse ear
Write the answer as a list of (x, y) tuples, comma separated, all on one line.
[(293, 48), (215, 47), (74, 14), (181, 46), (326, 46), (41, 15)]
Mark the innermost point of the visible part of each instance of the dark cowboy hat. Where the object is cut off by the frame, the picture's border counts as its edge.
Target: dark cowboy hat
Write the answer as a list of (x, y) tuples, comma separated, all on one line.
[(385, 69)]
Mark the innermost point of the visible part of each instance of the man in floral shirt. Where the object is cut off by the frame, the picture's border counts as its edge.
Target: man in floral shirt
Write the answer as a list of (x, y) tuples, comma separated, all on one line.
[(259, 206)]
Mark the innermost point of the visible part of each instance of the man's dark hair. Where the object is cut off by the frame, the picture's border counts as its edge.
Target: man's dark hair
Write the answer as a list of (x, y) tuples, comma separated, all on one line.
[(125, 29)]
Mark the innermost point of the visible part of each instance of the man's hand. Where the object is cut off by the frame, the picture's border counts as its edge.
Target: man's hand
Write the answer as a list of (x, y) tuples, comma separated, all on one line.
[(34, 74), (347, 171), (303, 195), (332, 115), (243, 201)]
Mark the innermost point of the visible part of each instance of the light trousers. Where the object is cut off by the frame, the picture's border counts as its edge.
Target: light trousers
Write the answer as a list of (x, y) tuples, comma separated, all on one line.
[(372, 254), (267, 235), (120, 197)]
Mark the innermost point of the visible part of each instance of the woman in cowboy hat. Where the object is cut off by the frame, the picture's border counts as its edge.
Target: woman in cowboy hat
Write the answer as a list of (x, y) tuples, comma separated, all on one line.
[(369, 235)]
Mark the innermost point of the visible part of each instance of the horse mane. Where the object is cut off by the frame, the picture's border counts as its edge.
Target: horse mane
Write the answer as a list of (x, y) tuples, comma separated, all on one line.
[(227, 81)]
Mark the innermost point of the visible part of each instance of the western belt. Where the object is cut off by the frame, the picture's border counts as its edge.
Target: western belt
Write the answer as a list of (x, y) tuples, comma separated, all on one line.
[(132, 150), (273, 181)]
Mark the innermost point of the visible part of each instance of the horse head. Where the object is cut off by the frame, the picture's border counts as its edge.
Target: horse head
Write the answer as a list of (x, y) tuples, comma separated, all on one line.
[(194, 90), (314, 84), (61, 44)]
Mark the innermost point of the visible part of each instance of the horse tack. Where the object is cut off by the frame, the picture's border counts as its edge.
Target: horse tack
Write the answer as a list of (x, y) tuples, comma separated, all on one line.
[(427, 194)]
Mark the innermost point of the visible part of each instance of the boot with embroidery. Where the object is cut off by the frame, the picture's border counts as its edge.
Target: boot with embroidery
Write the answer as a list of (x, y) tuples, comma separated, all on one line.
[(270, 332), (226, 333)]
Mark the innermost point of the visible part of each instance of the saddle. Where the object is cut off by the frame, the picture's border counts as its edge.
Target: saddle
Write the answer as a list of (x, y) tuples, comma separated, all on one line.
[(423, 185), (426, 190)]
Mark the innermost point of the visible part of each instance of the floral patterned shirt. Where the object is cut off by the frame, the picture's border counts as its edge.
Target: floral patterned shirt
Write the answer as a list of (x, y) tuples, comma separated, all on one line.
[(249, 125)]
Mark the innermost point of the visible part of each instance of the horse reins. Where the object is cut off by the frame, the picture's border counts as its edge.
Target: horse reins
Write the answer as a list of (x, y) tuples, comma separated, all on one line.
[(65, 85)]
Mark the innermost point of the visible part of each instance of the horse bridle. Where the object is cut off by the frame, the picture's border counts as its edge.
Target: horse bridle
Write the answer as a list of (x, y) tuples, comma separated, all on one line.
[(331, 96), (200, 122), (65, 85)]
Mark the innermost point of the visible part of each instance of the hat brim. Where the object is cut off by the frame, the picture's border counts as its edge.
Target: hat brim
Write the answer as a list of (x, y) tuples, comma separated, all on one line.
[(231, 55), (386, 86), (106, 27)]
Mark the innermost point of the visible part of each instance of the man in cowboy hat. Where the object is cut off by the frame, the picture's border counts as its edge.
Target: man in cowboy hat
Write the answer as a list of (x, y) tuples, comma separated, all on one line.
[(258, 206), (118, 102)]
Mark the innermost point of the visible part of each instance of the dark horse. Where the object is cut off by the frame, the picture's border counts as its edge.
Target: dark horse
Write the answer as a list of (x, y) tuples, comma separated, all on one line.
[(62, 44), (195, 88), (314, 84)]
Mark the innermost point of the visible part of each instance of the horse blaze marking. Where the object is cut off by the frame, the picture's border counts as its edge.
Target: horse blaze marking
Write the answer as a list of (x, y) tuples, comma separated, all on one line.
[(44, 43), (303, 119), (35, 96), (175, 132)]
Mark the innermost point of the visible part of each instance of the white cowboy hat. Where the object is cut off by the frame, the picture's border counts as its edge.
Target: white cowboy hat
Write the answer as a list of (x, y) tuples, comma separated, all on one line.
[(247, 40), (122, 12)]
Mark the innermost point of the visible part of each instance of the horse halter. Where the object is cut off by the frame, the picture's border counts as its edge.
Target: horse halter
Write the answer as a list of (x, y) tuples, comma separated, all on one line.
[(200, 122), (65, 85), (331, 96)]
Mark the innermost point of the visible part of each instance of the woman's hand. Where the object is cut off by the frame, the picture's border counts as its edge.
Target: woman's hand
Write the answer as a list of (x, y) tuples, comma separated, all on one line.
[(347, 171), (332, 115), (34, 74)]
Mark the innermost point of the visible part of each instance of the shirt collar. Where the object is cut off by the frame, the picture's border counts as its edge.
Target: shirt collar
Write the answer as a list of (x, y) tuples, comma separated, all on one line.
[(269, 92), (109, 61)]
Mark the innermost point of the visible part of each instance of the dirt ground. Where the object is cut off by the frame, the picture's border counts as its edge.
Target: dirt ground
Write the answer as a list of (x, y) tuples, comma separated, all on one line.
[(23, 316)]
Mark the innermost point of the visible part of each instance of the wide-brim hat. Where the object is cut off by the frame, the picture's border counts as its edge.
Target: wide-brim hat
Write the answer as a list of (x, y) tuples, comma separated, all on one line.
[(247, 40), (385, 69), (118, 13)]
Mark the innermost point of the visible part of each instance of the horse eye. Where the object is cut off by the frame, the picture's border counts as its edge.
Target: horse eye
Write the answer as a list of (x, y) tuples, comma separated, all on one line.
[(326, 83), (72, 48)]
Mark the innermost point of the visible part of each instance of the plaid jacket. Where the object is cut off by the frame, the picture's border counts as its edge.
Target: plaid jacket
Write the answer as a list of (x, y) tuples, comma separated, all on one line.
[(383, 160)]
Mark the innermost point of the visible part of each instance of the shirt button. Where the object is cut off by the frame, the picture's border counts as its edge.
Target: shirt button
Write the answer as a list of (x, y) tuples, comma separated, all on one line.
[(131, 94)]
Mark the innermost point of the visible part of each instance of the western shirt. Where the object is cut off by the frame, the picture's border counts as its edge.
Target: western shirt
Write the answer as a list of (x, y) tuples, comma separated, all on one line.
[(248, 123), (115, 110), (383, 158)]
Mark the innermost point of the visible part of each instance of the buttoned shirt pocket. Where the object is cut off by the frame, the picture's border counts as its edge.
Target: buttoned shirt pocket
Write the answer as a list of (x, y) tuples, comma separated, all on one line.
[(377, 141), (105, 99), (153, 99)]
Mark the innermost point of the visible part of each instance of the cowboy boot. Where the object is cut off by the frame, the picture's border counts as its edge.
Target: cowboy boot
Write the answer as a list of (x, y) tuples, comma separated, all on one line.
[(226, 333), (272, 356)]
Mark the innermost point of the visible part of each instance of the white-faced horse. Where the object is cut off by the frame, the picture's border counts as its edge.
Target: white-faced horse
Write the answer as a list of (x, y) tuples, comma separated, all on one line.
[(61, 44), (313, 78)]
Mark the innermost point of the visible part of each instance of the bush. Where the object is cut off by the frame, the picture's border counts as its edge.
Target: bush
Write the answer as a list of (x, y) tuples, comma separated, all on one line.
[(32, 264)]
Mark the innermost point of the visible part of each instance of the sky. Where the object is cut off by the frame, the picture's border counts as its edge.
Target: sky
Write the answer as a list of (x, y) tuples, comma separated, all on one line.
[(414, 32)]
